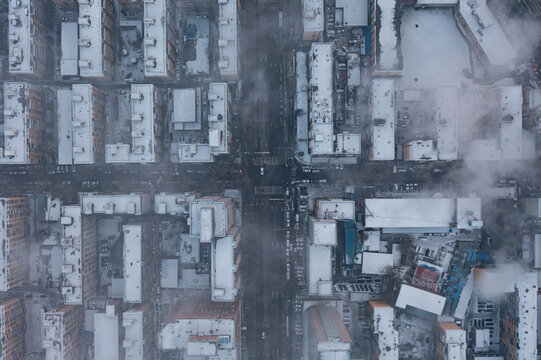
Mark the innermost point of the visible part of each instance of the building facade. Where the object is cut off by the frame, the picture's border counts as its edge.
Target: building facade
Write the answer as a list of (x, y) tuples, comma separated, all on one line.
[(12, 329), (14, 239), (61, 333), (69, 5)]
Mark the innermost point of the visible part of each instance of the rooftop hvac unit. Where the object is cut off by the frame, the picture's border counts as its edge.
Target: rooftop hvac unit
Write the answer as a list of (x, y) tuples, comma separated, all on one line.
[(127, 322), (15, 60), (149, 21), (213, 118), (212, 97), (9, 153), (476, 223), (9, 112), (113, 150), (150, 63), (78, 123), (131, 208), (150, 1), (1, 152), (139, 150), (137, 95), (88, 209), (379, 122), (84, 20), (222, 64), (67, 290), (507, 118), (47, 344), (150, 42), (221, 2), (127, 343), (137, 134), (110, 208), (14, 38), (10, 132), (85, 64), (223, 42), (137, 117), (66, 220), (78, 149), (110, 311), (14, 19), (67, 241), (218, 292), (76, 98), (162, 208), (84, 43), (318, 137), (67, 269), (223, 21)]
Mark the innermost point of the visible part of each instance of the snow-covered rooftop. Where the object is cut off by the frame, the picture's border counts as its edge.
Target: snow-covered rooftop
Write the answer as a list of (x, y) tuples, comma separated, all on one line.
[(20, 33), (348, 144), (387, 335), (446, 118), (134, 327), (129, 204), (173, 204), (387, 36), (223, 269), (420, 299), (355, 12), (468, 213), (195, 153), (144, 99), (455, 341), (321, 104), (218, 97), (158, 32), (330, 331), (83, 126), (479, 23), (65, 140), (312, 16), (376, 263), (16, 124), (106, 334), (91, 56), (72, 268), (185, 109), (70, 49), (169, 273), (222, 215), (319, 270), (420, 150), (382, 103), (526, 290), (228, 41), (337, 209), (133, 267), (54, 331), (322, 231), (511, 122)]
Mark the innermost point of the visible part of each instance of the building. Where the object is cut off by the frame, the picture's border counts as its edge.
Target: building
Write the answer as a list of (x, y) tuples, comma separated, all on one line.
[(87, 125), (336, 209), (27, 38), (519, 319), (96, 39), (450, 342), (531, 7), (322, 231), (24, 139), (130, 4), (385, 344), (225, 261), (211, 217), (351, 13), (420, 150), (412, 297), (67, 5), (61, 333), (108, 333), (382, 122), (127, 204), (146, 128), (532, 206), (218, 134), (446, 118), (201, 327), (80, 252), (228, 43), (158, 42), (312, 20), (327, 336), (12, 329), (14, 213), (386, 57), (137, 255), (139, 340), (173, 204), (69, 44), (482, 31)]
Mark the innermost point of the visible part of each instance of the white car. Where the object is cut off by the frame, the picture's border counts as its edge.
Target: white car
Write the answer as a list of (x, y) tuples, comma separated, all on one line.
[(262, 171)]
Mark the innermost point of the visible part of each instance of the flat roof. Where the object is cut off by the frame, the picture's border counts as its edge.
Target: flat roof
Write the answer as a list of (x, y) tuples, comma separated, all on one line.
[(184, 105), (312, 16), (321, 104), (478, 18), (195, 153), (157, 35), (130, 204), (376, 263), (133, 267), (16, 124), (65, 140), (173, 204), (323, 232), (420, 299), (228, 41), (387, 35), (319, 268), (328, 324), (19, 28), (526, 289), (144, 100), (382, 108), (348, 144), (420, 150), (337, 209), (169, 274), (387, 335), (218, 97), (355, 12), (91, 55), (446, 119), (223, 269), (133, 322), (83, 127), (221, 212), (455, 341), (106, 336), (72, 260), (511, 122), (407, 213), (467, 210), (70, 48)]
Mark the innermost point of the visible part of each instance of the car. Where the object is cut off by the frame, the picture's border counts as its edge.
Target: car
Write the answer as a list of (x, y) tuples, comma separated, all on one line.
[(262, 171), (262, 335)]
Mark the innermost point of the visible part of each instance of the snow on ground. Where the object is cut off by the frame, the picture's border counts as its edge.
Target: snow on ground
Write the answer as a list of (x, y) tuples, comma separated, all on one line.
[(435, 52)]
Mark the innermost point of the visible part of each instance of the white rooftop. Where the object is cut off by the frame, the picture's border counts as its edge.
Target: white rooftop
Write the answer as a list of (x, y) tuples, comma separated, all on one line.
[(382, 103), (313, 15), (408, 213), (337, 209), (526, 289), (106, 336), (321, 104), (487, 32), (218, 97), (455, 341), (133, 323), (228, 41), (468, 211), (91, 46), (173, 204), (348, 144), (319, 270), (184, 101), (19, 36), (387, 335), (52, 333), (222, 216), (169, 273), (511, 122), (70, 49), (322, 232), (129, 204), (132, 254), (223, 269), (355, 12), (447, 100), (65, 140), (16, 124), (388, 40), (157, 35), (83, 127), (420, 150), (144, 101), (376, 263), (72, 247), (195, 153), (420, 299)]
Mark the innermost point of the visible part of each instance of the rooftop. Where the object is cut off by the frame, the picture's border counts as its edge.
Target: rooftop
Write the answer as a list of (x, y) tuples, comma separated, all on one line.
[(157, 35), (526, 290), (354, 12), (337, 209), (106, 335), (223, 269), (72, 269), (173, 204), (323, 232), (387, 36), (313, 15), (70, 49), (319, 270), (382, 103), (90, 38), (376, 263), (329, 325), (222, 215), (83, 131), (511, 122), (130, 204), (133, 267), (228, 41), (447, 100), (20, 33), (410, 296), (387, 335), (65, 139), (16, 124)]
